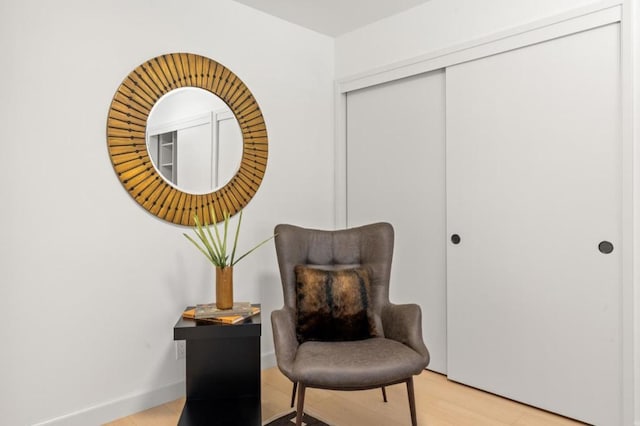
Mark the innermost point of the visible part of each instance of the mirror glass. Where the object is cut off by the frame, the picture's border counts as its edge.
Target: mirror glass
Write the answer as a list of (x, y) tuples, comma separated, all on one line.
[(194, 140)]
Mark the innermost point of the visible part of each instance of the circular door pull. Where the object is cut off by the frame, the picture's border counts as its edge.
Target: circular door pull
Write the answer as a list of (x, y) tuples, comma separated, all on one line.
[(605, 247), (455, 239)]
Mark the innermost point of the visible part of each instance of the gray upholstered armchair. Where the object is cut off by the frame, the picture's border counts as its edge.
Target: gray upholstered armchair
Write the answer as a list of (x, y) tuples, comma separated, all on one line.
[(392, 354)]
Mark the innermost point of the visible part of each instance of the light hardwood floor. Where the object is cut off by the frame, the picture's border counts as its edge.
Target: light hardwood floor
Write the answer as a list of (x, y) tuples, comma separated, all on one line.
[(439, 402)]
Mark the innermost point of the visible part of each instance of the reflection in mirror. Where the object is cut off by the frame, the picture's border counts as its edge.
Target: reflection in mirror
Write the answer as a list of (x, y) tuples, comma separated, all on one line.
[(194, 140)]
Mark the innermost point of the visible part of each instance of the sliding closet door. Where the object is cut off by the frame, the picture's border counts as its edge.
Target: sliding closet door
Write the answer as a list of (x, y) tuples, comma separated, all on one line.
[(195, 158), (395, 173), (534, 199)]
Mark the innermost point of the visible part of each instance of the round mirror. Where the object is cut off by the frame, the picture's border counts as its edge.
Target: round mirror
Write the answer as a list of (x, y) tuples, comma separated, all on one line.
[(194, 140), (139, 102)]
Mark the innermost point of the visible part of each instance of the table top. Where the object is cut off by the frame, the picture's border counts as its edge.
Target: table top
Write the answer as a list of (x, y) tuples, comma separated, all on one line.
[(187, 329)]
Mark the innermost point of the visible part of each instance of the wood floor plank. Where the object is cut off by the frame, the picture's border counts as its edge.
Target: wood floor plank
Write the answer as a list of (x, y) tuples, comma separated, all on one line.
[(439, 402)]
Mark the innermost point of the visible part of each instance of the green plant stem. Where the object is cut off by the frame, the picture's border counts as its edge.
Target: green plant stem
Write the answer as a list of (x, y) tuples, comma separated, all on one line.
[(235, 241), (214, 247), (251, 251)]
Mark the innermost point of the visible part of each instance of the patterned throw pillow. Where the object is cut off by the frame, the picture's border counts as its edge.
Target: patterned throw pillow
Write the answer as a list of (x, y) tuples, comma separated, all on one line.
[(333, 305)]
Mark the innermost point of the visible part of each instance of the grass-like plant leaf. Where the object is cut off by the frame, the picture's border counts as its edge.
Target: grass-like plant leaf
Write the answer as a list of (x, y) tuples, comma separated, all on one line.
[(213, 246), (210, 243), (235, 241), (251, 251)]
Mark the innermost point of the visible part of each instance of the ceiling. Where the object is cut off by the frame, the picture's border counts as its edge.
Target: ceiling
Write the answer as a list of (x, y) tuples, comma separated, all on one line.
[(332, 17)]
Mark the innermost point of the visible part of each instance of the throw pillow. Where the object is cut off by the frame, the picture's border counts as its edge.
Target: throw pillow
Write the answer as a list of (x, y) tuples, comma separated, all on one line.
[(333, 305)]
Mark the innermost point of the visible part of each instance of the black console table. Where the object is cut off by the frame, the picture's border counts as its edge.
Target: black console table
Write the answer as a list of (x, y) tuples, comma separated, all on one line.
[(222, 372)]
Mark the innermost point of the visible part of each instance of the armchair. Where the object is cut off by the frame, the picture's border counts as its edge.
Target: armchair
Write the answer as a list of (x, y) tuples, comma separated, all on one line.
[(393, 354)]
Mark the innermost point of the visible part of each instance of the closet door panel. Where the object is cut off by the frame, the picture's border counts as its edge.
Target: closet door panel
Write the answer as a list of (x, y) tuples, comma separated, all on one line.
[(395, 173), (533, 188), (195, 158)]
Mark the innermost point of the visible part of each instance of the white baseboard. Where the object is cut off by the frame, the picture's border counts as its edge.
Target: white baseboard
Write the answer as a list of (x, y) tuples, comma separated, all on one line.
[(120, 407), (131, 404)]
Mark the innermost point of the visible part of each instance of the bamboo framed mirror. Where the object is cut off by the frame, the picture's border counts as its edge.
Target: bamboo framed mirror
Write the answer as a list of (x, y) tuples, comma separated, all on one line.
[(139, 170)]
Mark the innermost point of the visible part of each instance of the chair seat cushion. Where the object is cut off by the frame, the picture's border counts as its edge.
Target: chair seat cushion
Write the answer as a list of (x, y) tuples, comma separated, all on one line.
[(355, 364)]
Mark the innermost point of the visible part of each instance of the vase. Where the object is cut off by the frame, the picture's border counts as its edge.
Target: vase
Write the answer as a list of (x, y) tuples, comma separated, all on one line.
[(224, 287)]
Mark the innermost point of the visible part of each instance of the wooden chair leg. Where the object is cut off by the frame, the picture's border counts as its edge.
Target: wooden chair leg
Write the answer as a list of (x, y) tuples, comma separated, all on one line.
[(293, 394), (412, 401), (300, 409), (384, 394)]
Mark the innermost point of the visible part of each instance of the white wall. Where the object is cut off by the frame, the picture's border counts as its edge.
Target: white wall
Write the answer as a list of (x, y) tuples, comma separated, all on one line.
[(183, 104), (90, 283)]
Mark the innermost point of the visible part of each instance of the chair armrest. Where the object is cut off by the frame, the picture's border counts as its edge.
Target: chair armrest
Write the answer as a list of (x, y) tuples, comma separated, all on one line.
[(285, 340), (403, 323)]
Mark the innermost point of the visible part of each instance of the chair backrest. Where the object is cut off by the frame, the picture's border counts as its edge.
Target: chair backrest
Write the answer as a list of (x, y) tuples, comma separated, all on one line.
[(369, 246)]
